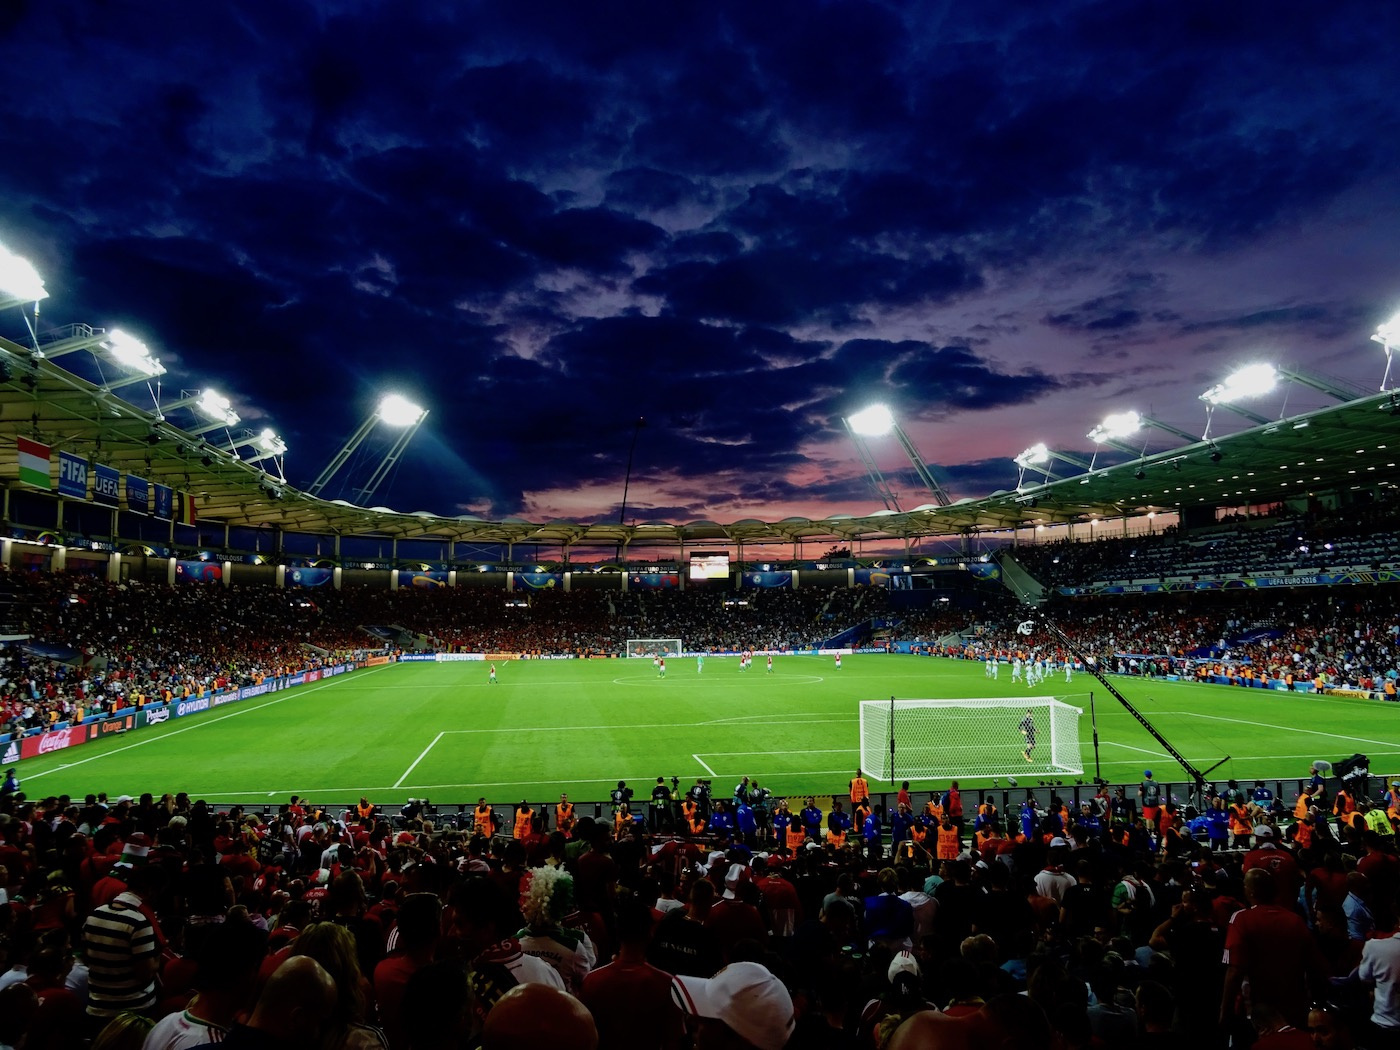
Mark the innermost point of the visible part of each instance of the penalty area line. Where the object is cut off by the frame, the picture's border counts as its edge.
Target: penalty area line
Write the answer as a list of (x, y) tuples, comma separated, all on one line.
[(704, 765), (420, 758)]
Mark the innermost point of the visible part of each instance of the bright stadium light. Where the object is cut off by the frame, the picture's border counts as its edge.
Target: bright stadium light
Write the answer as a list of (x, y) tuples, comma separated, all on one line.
[(1388, 335), (397, 411), (269, 443), (20, 283), (215, 406), (1116, 427), (1035, 456), (393, 410), (875, 421), (1248, 382), (129, 352)]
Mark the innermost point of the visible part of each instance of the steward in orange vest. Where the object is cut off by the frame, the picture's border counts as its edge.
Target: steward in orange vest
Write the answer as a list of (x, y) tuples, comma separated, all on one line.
[(485, 823), (860, 790), (691, 814), (915, 847), (564, 816), (949, 842), (523, 813)]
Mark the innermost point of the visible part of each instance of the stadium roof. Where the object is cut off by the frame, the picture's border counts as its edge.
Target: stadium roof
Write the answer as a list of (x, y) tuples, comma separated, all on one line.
[(1350, 445)]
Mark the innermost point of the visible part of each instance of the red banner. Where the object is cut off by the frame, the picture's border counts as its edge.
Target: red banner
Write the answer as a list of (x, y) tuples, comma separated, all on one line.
[(47, 743)]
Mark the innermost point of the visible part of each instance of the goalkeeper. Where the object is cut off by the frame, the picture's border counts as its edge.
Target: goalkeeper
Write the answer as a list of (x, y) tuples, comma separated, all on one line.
[(1027, 728)]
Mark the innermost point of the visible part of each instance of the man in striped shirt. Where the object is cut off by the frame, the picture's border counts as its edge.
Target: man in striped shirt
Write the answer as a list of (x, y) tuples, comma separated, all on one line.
[(122, 953)]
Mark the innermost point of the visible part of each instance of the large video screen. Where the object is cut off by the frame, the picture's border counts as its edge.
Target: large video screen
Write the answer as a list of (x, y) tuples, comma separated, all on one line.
[(709, 565)]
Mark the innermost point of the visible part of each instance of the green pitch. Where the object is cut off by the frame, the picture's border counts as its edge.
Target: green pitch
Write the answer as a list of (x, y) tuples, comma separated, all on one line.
[(442, 731)]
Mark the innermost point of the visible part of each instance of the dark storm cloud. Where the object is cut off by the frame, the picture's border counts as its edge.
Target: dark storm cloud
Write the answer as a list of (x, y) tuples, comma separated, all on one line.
[(739, 220)]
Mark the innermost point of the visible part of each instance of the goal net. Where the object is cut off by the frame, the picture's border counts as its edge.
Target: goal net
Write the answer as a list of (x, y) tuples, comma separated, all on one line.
[(653, 647), (987, 737)]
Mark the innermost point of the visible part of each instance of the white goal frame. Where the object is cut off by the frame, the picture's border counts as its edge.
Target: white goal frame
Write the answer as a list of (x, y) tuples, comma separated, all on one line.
[(650, 648), (938, 739)]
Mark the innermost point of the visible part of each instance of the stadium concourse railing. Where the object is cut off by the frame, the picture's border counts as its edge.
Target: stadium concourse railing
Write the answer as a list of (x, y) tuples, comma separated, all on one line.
[(65, 736)]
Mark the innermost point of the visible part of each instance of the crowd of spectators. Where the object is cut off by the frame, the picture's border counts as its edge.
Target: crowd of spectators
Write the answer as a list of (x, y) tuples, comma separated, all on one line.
[(1280, 544), (134, 643), (164, 923)]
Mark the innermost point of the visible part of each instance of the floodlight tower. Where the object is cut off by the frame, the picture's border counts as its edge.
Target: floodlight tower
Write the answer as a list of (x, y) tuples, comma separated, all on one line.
[(393, 410), (20, 283), (878, 420), (856, 429), (1250, 381), (1388, 335)]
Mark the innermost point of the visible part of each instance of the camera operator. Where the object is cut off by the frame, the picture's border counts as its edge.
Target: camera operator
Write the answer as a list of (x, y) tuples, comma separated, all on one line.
[(659, 817), (621, 796)]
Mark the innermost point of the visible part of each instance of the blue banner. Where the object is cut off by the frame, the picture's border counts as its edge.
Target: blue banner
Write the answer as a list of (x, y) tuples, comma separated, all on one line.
[(654, 580), (106, 484), (72, 475), (137, 494), (1311, 579), (769, 580), (538, 581), (198, 571), (425, 580), (872, 578), (163, 500), (309, 577)]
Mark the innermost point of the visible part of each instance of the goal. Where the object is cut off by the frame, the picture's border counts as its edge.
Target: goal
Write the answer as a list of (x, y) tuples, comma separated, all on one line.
[(652, 647), (926, 739)]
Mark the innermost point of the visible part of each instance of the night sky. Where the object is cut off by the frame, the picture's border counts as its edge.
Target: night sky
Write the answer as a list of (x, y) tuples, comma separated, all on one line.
[(741, 221)]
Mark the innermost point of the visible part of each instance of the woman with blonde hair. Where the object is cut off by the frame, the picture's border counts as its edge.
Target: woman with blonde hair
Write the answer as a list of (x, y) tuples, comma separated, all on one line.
[(334, 948)]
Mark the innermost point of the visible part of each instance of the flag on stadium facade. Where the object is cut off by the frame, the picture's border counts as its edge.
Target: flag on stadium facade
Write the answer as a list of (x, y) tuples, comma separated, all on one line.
[(34, 460), (184, 508)]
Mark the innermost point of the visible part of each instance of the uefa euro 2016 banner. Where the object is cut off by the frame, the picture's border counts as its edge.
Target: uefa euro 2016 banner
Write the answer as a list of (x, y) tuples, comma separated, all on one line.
[(425, 580), (768, 580), (309, 577), (538, 581), (1315, 579), (655, 581), (198, 571), (872, 577)]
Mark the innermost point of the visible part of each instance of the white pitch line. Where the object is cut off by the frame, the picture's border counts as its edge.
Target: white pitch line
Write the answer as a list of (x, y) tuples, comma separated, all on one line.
[(702, 763), (648, 725), (1298, 729), (201, 723), (420, 758), (1130, 747)]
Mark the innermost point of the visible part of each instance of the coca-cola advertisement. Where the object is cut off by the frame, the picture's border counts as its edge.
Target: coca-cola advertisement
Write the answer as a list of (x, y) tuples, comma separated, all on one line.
[(47, 743)]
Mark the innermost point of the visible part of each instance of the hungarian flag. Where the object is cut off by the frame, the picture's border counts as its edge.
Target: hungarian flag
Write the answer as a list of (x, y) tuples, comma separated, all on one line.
[(34, 463)]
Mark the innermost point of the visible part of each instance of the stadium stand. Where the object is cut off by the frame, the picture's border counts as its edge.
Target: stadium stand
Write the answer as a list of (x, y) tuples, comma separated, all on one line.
[(1128, 920)]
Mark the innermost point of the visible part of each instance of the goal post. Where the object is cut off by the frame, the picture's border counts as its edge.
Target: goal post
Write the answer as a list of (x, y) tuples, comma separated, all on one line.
[(649, 648), (984, 737)]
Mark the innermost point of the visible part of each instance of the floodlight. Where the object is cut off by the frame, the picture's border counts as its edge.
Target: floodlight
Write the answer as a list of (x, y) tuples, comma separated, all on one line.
[(1388, 334), (217, 407), (130, 352), (1247, 382), (269, 443), (1117, 426), (398, 411), (19, 281), (1035, 456), (875, 421)]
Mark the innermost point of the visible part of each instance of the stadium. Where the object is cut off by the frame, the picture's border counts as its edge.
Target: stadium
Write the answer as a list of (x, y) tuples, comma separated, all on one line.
[(1231, 627), (845, 525)]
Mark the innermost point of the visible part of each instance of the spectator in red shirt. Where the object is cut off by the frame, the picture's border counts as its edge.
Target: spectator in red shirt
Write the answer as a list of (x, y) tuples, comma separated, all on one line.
[(631, 1000), (419, 923), (1270, 947)]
